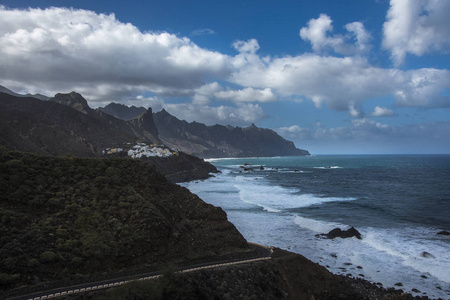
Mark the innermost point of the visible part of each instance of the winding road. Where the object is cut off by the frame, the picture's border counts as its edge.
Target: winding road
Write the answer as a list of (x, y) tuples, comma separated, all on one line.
[(264, 253)]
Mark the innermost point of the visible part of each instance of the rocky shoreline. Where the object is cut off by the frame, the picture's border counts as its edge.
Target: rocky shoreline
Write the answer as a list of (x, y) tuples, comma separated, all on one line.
[(286, 276)]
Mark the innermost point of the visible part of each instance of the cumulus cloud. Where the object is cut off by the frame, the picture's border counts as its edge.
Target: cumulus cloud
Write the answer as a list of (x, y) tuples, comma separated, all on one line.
[(57, 47), (382, 112), (61, 50), (423, 88), (214, 91), (342, 83), (316, 33), (247, 95), (250, 46), (355, 110), (205, 93), (242, 115), (416, 27)]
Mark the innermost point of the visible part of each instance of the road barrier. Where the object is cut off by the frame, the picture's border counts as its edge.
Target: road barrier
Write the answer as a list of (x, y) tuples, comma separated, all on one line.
[(119, 283)]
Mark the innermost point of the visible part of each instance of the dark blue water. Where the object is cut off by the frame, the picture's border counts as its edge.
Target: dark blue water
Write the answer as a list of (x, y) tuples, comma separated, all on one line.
[(398, 203), (388, 189)]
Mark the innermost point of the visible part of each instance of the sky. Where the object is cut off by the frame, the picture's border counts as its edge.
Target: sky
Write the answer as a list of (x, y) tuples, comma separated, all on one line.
[(334, 77)]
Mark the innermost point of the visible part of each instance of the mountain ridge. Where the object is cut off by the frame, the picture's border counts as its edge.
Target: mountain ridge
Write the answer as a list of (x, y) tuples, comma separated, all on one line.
[(214, 141), (8, 91), (67, 125)]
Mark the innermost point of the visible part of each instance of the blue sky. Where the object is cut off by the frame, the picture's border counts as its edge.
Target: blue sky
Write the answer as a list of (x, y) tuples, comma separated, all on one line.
[(332, 76)]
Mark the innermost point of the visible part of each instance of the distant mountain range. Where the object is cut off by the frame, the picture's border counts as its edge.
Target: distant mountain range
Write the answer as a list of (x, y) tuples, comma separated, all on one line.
[(66, 124), (212, 141), (37, 96)]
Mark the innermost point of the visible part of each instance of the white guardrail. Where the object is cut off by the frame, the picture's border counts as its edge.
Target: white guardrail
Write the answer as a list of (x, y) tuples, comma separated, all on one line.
[(109, 285)]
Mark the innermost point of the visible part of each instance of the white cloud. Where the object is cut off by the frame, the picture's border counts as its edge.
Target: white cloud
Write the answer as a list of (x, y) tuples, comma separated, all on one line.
[(368, 136), (250, 46), (382, 112), (211, 91), (316, 33), (423, 88), (416, 27), (242, 115), (342, 83), (60, 49), (247, 95), (294, 132), (204, 93), (355, 110)]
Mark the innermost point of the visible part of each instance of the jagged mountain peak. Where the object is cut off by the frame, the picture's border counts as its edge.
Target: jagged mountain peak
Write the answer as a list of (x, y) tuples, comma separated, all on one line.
[(74, 100), (122, 111), (221, 141)]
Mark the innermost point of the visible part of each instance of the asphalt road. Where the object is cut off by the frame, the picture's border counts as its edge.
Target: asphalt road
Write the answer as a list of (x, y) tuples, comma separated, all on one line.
[(264, 253)]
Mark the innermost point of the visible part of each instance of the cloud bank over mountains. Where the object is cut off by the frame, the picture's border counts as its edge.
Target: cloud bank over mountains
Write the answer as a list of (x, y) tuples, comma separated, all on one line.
[(59, 49)]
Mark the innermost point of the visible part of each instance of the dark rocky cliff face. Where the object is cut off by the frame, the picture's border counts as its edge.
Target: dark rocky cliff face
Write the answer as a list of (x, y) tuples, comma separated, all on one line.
[(73, 100), (121, 111), (144, 126), (211, 141), (48, 127), (67, 125), (222, 141)]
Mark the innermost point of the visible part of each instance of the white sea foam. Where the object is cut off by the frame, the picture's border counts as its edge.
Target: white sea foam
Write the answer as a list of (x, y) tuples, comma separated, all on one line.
[(256, 191), (387, 255), (316, 225), (328, 167), (414, 249)]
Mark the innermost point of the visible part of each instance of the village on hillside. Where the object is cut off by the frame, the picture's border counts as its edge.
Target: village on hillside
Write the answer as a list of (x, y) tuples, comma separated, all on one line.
[(141, 149)]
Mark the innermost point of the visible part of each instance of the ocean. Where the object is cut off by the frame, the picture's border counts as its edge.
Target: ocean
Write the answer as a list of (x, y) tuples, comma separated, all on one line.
[(397, 202)]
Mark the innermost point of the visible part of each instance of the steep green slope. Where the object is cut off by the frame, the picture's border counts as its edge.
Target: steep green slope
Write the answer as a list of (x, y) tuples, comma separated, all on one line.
[(64, 217)]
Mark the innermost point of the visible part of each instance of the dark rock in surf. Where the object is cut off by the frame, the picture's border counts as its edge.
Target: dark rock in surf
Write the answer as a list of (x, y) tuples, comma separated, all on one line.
[(443, 232), (337, 232), (427, 255)]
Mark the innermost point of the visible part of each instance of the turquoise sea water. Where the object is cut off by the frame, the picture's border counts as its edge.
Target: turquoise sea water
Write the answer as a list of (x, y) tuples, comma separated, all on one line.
[(398, 203)]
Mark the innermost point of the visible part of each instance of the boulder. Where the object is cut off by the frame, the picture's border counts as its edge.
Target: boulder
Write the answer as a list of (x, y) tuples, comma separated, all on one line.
[(427, 255), (443, 232), (337, 232)]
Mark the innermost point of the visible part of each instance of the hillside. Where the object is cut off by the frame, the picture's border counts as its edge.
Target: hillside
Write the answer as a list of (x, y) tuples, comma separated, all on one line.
[(211, 141), (62, 125), (285, 276), (67, 220), (222, 141), (65, 124), (69, 217)]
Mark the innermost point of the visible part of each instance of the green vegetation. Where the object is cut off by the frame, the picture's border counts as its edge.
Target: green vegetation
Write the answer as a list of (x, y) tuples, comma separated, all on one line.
[(65, 217), (170, 286)]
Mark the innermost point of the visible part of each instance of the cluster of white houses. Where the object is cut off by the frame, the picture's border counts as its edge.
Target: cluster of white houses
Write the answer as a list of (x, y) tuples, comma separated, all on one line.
[(142, 149)]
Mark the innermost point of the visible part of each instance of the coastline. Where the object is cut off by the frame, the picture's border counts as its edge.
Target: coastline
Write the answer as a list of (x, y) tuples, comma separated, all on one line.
[(398, 284)]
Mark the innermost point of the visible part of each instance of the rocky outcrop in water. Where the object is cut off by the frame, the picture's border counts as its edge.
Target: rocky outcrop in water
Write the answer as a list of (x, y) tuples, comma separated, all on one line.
[(337, 232)]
